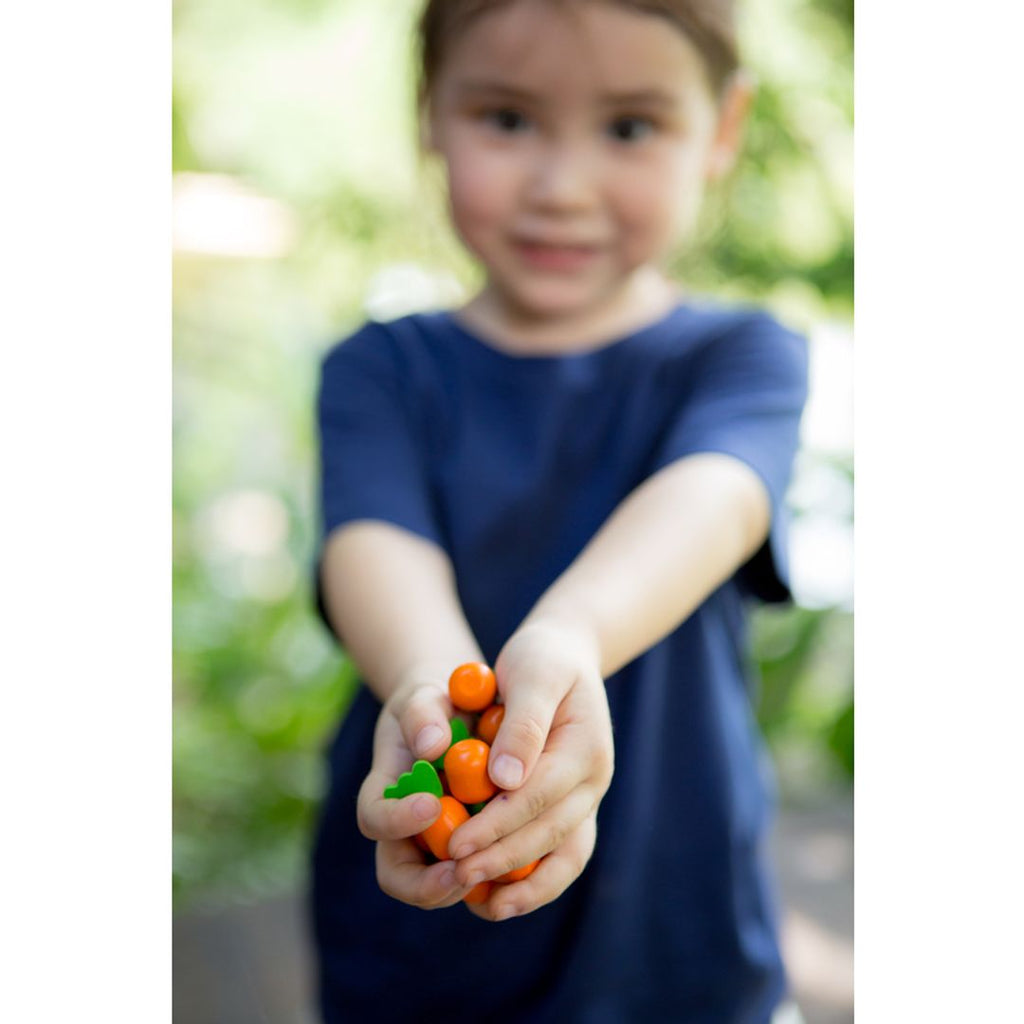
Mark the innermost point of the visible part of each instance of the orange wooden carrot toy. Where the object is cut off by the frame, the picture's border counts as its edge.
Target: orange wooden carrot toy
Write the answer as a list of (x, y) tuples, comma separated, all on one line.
[(465, 768), (436, 836), (472, 687)]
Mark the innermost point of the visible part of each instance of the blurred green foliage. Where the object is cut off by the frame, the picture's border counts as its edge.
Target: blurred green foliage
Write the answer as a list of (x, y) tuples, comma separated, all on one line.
[(309, 103)]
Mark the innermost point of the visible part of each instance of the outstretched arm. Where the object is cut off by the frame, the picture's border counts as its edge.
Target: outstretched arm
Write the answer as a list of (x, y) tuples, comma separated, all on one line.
[(390, 597), (675, 539)]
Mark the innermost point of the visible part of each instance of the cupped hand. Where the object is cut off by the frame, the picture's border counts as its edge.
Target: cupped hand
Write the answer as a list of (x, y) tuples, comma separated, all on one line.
[(555, 757), (412, 724)]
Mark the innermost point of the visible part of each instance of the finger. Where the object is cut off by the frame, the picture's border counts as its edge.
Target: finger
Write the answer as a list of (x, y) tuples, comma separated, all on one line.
[(553, 779), (391, 754), (387, 818), (555, 873), (423, 715), (402, 875), (535, 839), (531, 695)]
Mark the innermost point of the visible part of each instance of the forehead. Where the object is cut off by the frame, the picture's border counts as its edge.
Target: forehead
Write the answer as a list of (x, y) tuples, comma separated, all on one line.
[(571, 48)]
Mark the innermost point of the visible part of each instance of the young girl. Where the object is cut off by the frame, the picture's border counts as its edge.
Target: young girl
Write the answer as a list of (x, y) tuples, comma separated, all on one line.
[(577, 478)]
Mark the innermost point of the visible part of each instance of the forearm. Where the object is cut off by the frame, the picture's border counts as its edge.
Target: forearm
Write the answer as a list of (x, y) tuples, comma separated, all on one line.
[(674, 540), (391, 598)]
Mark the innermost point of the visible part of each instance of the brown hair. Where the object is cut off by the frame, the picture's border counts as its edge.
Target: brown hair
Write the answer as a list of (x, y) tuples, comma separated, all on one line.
[(709, 24)]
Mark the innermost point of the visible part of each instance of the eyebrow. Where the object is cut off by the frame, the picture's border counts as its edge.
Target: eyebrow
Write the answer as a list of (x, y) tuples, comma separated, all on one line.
[(477, 86), (637, 97)]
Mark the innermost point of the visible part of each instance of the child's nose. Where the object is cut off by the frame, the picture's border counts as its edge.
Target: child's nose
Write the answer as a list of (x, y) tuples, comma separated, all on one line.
[(563, 177)]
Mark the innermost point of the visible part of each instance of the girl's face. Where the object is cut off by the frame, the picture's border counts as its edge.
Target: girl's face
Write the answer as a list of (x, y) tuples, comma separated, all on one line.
[(578, 138)]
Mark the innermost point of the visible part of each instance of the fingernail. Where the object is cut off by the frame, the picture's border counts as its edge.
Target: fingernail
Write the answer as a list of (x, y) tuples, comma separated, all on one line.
[(424, 806), (507, 771), (465, 851), (448, 877), (429, 736)]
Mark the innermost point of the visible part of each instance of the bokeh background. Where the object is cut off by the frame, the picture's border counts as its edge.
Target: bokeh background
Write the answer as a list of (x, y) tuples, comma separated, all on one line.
[(302, 206)]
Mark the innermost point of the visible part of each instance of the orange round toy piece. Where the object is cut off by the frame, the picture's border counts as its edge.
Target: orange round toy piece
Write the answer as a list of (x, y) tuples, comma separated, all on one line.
[(465, 767), (490, 721), (436, 836), (519, 873), (479, 893), (472, 686)]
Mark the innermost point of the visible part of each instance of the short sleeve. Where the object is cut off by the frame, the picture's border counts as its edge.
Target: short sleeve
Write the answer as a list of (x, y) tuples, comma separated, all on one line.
[(746, 393), (371, 462), (372, 466)]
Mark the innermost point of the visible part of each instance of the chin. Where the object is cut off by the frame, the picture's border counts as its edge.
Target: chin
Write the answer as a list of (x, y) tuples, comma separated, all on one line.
[(552, 310), (555, 300)]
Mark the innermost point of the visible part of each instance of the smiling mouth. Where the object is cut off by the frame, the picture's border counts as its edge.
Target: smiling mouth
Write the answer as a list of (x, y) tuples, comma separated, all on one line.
[(556, 257)]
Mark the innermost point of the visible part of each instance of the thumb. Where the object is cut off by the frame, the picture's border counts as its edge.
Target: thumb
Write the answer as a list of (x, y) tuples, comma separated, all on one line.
[(423, 715), (531, 700)]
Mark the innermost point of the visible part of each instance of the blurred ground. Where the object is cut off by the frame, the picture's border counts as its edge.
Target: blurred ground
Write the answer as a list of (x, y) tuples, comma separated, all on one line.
[(814, 860), (250, 965)]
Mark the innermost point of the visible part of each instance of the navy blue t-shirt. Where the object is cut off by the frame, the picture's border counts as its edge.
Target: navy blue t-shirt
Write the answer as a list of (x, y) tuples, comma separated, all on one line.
[(511, 464)]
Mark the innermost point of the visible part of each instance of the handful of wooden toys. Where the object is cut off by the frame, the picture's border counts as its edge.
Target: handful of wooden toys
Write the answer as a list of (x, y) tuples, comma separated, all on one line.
[(459, 777)]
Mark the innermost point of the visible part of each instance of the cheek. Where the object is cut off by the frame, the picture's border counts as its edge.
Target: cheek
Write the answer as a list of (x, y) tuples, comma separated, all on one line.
[(659, 206), (480, 191)]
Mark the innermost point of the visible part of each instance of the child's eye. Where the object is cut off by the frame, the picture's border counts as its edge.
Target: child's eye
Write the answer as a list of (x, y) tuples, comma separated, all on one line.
[(630, 129), (507, 120)]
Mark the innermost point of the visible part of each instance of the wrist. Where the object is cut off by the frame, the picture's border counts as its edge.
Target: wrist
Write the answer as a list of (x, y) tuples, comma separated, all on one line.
[(568, 628)]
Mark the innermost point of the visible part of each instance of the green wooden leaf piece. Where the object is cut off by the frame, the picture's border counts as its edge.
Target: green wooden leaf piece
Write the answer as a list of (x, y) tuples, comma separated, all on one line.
[(477, 808), (460, 731), (422, 779)]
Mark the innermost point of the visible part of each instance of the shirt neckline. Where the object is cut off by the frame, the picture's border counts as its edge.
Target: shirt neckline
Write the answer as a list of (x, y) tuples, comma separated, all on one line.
[(480, 343)]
